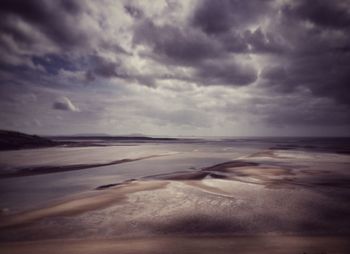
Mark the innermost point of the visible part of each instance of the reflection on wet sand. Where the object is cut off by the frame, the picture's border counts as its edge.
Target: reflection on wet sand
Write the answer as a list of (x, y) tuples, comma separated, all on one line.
[(80, 204), (265, 200)]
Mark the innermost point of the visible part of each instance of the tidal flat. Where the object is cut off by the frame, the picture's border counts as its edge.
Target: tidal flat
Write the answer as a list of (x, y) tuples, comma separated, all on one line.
[(178, 196)]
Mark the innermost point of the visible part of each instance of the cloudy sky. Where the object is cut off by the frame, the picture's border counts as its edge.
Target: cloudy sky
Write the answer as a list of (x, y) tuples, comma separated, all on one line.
[(190, 67)]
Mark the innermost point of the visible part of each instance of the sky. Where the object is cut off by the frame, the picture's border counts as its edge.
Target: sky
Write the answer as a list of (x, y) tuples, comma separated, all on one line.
[(175, 68)]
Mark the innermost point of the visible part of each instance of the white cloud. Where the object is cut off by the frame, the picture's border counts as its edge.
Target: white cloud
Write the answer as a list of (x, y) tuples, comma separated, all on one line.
[(65, 104)]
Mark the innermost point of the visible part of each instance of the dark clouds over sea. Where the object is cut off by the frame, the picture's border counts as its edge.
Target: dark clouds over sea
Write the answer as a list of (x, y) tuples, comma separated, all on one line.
[(225, 67)]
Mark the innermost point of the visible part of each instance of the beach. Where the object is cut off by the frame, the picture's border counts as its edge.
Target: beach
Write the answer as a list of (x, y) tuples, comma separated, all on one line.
[(175, 197)]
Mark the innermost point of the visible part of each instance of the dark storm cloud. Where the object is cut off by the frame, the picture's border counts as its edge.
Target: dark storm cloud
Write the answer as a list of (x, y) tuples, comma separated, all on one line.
[(234, 42), (328, 14), (133, 11), (221, 16), (229, 21), (53, 18), (176, 45), (191, 47), (220, 73), (306, 57), (63, 43), (244, 49), (315, 57), (318, 58), (38, 38), (113, 47), (324, 75), (7, 28), (105, 68), (264, 42)]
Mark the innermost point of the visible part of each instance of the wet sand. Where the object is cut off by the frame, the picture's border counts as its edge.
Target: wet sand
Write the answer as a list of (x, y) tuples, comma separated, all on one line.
[(92, 201), (200, 245), (266, 202)]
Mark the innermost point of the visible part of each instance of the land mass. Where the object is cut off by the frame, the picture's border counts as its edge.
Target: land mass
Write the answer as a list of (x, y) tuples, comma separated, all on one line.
[(13, 140)]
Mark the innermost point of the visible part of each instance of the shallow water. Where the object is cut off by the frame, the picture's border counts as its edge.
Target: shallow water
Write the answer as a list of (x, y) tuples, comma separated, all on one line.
[(21, 193), (215, 187)]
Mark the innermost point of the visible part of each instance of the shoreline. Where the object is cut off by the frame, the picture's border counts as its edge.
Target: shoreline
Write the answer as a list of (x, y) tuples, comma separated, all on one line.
[(40, 170)]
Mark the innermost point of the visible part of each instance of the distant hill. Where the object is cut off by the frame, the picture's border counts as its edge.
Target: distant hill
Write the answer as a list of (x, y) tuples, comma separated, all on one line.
[(11, 140), (91, 135), (135, 135), (105, 135), (110, 138)]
